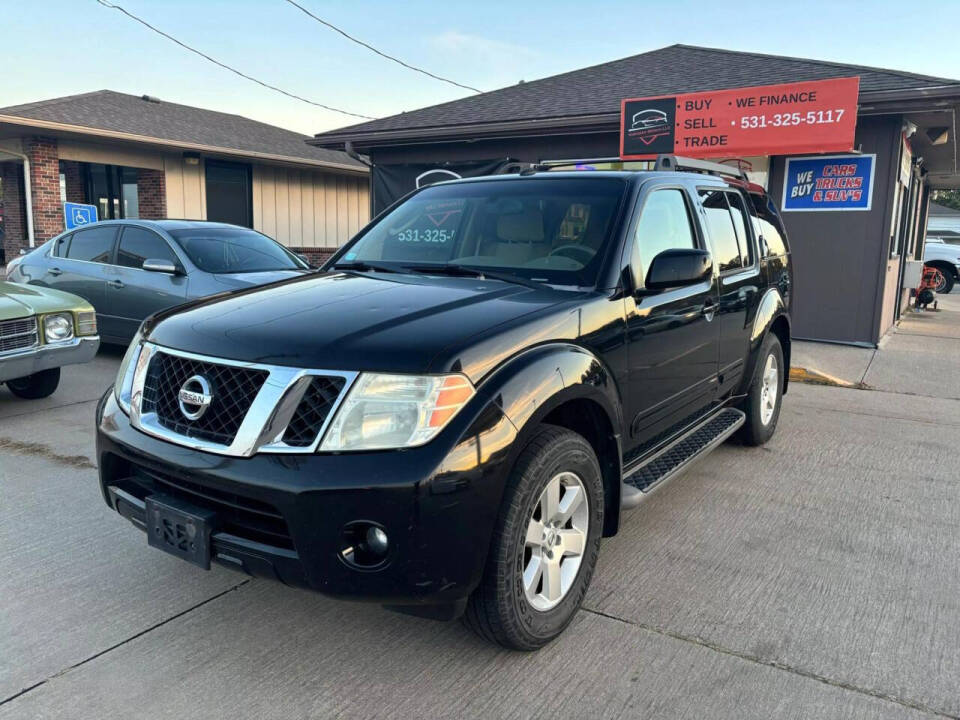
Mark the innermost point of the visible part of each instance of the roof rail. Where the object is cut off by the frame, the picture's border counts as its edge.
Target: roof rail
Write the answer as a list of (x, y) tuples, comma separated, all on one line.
[(675, 163), (663, 163)]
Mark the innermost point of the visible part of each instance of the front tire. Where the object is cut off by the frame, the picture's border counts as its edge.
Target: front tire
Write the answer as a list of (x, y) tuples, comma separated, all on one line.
[(945, 287), (39, 385), (762, 405), (545, 544)]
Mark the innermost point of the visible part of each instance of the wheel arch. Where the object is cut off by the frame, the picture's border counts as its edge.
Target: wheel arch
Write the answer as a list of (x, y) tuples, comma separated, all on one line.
[(566, 385), (771, 317), (944, 265)]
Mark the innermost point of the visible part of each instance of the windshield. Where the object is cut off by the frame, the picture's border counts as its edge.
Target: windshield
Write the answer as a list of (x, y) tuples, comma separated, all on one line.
[(553, 230), (234, 250)]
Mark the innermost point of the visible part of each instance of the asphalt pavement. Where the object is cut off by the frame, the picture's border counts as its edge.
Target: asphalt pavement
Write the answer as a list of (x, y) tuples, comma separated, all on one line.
[(816, 577)]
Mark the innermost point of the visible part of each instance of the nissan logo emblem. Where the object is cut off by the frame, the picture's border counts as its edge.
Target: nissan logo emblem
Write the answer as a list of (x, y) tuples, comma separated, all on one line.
[(195, 397)]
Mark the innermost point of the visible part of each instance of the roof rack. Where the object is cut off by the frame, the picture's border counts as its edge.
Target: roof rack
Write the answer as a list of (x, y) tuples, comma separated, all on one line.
[(663, 163), (675, 163)]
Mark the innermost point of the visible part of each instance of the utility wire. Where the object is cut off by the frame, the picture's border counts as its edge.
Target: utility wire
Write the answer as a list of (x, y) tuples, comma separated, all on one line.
[(378, 52), (130, 15)]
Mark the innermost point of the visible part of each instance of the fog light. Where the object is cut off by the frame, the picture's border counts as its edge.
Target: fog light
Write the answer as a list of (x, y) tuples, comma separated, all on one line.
[(364, 545), (377, 540)]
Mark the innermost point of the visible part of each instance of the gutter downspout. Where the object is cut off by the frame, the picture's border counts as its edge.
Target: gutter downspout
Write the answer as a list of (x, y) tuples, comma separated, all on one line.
[(28, 195), (348, 149)]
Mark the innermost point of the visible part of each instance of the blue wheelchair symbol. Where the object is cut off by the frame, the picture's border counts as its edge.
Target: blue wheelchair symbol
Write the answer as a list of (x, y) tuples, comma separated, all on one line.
[(76, 215)]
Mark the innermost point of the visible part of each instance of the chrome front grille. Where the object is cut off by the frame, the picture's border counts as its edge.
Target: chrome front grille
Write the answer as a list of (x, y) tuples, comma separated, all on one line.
[(18, 334), (252, 407), (313, 411), (233, 388)]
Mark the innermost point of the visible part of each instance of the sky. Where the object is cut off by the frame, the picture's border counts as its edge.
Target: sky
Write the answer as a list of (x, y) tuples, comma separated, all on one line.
[(53, 48)]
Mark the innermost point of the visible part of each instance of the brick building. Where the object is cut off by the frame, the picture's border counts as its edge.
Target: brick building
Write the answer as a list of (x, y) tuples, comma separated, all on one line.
[(141, 157)]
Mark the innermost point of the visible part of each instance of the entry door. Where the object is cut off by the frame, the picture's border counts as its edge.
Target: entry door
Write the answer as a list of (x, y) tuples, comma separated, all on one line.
[(229, 193), (79, 267), (135, 293), (672, 339)]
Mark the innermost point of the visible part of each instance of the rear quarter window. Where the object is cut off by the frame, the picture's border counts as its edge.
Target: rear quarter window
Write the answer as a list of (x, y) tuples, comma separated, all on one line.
[(769, 227)]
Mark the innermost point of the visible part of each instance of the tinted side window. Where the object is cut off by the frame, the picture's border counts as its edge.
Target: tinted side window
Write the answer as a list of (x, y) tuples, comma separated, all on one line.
[(60, 246), (740, 222), (664, 225), (768, 227), (723, 236), (139, 244), (93, 244)]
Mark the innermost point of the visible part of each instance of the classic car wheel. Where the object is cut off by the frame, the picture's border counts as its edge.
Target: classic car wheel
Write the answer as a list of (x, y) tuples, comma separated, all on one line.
[(545, 544), (36, 386)]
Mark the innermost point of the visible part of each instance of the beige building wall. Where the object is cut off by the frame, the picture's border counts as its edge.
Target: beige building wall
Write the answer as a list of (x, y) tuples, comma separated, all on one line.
[(309, 208), (186, 188), (299, 207)]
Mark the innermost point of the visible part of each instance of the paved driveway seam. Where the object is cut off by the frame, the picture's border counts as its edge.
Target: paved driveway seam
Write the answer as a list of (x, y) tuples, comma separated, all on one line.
[(801, 672), (123, 642)]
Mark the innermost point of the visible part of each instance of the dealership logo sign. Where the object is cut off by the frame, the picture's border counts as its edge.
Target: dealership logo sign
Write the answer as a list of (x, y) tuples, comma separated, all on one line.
[(648, 125), (816, 116)]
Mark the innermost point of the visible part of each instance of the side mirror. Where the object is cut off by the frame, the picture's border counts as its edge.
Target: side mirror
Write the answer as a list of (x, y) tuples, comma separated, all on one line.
[(677, 268), (160, 266), (305, 259)]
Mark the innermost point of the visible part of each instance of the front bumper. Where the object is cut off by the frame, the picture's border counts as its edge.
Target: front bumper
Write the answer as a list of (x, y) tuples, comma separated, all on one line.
[(43, 357), (281, 516)]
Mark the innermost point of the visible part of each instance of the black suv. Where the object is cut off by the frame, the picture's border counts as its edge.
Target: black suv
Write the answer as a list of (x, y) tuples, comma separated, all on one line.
[(450, 415)]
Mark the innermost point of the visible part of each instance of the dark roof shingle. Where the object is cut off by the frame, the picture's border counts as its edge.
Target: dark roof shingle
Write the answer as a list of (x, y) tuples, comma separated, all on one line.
[(120, 112), (598, 90)]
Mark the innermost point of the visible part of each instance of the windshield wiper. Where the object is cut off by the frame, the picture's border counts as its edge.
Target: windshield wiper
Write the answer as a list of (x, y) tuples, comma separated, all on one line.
[(367, 265), (467, 271)]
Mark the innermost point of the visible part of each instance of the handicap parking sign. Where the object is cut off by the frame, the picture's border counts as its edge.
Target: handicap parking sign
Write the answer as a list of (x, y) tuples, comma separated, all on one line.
[(76, 215)]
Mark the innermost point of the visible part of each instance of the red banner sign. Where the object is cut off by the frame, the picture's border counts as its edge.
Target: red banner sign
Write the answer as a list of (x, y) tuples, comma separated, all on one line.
[(806, 117)]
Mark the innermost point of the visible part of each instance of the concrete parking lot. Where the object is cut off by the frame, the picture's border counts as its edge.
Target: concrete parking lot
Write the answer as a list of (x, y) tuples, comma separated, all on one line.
[(818, 576)]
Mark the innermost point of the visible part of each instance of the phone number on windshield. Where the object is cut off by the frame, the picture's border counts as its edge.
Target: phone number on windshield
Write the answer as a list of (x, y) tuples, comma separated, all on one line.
[(430, 235), (811, 117)]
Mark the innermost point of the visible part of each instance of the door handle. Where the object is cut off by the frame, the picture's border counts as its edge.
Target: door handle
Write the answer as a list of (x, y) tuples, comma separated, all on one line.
[(709, 308), (116, 284), (55, 271)]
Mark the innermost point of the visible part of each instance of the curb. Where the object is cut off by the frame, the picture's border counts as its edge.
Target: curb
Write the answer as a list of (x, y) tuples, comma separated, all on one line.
[(815, 377)]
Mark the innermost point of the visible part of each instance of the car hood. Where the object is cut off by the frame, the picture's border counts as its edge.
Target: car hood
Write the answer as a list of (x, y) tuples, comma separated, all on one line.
[(18, 300), (942, 251), (343, 321), (248, 279)]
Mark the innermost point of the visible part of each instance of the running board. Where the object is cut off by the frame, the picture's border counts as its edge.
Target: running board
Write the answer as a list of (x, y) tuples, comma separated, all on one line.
[(678, 456)]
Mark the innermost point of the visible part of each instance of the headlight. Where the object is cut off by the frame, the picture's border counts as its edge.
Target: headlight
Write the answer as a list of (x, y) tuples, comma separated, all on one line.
[(123, 386), (396, 411), (87, 323), (58, 327)]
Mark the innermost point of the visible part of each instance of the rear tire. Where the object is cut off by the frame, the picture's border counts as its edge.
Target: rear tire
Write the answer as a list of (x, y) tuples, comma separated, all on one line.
[(764, 398), (39, 385), (525, 612)]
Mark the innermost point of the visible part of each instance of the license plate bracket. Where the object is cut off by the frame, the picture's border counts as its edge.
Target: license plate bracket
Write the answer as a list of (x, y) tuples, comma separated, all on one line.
[(179, 528)]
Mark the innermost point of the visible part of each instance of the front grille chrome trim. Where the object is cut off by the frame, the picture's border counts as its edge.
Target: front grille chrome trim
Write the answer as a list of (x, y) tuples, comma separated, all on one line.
[(262, 428)]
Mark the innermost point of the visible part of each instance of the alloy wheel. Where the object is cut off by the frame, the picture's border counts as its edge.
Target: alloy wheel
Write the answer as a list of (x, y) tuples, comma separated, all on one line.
[(555, 541), (770, 389)]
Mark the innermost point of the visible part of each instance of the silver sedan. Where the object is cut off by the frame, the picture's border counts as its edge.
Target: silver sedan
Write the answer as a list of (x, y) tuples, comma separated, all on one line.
[(129, 269)]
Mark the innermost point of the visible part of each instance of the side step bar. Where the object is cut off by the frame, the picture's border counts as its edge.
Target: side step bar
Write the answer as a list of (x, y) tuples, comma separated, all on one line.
[(679, 455)]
